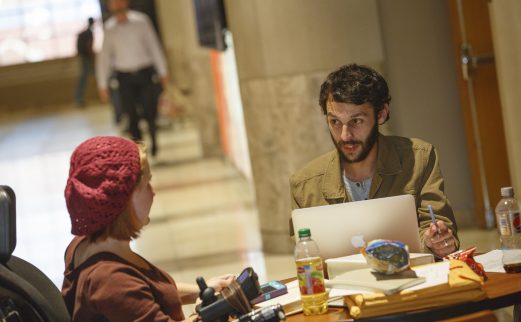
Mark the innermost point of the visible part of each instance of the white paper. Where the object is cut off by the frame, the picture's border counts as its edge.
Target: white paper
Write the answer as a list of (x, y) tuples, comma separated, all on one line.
[(435, 274), (337, 292), (492, 261), (335, 296)]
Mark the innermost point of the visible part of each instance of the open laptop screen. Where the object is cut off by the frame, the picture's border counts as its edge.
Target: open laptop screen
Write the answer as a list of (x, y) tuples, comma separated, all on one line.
[(335, 228)]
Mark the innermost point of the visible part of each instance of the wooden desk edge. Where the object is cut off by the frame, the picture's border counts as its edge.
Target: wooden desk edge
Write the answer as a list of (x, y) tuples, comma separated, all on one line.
[(501, 290)]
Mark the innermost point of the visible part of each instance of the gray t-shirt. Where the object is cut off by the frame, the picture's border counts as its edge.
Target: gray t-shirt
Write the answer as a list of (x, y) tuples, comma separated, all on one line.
[(358, 190)]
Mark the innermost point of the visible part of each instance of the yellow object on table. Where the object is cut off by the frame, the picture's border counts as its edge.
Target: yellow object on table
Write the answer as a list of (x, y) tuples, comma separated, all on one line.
[(463, 286)]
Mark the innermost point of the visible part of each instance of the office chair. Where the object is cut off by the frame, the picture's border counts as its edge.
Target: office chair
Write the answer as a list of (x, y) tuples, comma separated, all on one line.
[(26, 294)]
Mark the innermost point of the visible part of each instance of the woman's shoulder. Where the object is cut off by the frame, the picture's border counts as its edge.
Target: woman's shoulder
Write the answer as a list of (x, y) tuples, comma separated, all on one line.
[(106, 263), (107, 270), (102, 266)]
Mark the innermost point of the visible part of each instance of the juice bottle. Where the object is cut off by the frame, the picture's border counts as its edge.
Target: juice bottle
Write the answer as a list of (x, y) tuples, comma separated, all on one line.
[(310, 275)]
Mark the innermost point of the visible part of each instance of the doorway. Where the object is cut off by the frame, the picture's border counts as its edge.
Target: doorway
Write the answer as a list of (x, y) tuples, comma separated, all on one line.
[(479, 95)]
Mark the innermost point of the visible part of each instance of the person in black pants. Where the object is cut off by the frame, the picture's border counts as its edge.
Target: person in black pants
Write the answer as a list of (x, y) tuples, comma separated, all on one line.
[(132, 50), (140, 89)]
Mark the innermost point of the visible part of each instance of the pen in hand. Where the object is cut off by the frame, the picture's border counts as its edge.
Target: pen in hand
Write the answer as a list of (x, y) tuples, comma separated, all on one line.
[(433, 218)]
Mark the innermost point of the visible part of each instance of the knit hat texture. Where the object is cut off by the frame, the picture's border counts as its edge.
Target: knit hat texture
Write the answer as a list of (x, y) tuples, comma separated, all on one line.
[(104, 171)]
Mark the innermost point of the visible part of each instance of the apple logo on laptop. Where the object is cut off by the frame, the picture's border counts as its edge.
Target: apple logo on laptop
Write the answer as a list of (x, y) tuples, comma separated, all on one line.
[(358, 241)]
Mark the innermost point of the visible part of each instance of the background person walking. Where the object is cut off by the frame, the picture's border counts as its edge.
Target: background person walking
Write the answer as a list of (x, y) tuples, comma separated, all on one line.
[(131, 48), (84, 47)]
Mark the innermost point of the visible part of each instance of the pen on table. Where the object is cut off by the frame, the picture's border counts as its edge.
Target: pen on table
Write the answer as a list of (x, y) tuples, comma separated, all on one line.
[(433, 218)]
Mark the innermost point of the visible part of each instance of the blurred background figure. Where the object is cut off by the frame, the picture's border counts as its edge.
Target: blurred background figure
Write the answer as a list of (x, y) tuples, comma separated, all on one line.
[(84, 47), (131, 48), (115, 100)]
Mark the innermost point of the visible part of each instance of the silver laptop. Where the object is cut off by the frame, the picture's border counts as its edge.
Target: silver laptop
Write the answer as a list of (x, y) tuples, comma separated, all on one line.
[(338, 229)]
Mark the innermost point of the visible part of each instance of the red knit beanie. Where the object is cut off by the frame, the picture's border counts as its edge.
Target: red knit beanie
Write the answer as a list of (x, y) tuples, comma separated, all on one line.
[(103, 173)]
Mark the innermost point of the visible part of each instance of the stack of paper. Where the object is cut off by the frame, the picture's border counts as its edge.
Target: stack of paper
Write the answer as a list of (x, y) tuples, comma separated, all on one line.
[(367, 280), (339, 265), (492, 261)]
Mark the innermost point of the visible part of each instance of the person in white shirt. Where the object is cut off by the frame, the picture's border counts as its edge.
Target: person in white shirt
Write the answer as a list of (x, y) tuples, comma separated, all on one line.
[(132, 50)]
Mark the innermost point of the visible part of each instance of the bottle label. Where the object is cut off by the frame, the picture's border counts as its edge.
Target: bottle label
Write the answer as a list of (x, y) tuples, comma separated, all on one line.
[(515, 222), (504, 225), (310, 276)]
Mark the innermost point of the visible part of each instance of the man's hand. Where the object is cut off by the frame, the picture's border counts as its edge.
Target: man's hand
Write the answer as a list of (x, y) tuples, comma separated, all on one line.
[(439, 239), (103, 95)]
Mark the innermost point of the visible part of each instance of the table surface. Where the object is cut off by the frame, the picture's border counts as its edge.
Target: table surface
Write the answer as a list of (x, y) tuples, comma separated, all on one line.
[(501, 290)]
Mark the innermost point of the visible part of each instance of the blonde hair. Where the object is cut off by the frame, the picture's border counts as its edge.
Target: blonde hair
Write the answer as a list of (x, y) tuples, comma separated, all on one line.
[(126, 226)]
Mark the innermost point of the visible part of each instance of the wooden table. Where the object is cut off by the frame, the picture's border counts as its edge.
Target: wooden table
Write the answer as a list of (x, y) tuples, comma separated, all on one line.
[(501, 290)]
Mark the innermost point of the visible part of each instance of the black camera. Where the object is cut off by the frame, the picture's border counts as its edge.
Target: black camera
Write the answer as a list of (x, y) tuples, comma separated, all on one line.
[(234, 301), (272, 313)]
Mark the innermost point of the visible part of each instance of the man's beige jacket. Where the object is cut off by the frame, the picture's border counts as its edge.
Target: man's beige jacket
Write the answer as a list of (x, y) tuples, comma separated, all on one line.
[(404, 166)]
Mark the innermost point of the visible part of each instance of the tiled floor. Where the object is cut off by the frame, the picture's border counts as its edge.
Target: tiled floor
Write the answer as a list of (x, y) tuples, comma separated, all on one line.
[(203, 221)]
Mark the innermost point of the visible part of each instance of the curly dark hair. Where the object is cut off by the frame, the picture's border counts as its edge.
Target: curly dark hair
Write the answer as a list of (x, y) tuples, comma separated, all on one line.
[(355, 84)]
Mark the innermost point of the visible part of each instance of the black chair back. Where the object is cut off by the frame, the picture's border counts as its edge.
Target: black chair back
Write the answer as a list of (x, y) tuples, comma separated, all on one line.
[(26, 293), (7, 223)]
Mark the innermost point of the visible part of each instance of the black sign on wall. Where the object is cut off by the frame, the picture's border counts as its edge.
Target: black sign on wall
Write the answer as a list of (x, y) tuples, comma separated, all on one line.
[(211, 23)]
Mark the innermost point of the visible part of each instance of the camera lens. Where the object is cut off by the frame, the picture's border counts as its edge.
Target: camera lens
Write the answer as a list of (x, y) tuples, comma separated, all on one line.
[(273, 313)]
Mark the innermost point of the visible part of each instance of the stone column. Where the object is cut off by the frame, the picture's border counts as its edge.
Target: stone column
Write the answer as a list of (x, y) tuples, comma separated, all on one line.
[(421, 73), (506, 32), (190, 68), (284, 51)]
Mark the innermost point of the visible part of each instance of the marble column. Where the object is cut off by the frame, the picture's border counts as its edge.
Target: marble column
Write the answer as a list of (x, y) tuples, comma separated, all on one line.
[(190, 68), (284, 51), (506, 33)]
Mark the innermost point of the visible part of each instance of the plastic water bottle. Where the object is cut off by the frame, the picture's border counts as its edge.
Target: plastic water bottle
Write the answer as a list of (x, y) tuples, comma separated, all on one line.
[(310, 275), (509, 228)]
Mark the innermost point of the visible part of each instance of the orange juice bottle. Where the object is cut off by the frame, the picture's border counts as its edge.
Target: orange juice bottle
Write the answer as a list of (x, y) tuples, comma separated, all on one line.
[(310, 274)]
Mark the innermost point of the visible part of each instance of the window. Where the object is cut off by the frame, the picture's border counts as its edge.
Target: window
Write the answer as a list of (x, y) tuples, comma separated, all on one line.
[(37, 30)]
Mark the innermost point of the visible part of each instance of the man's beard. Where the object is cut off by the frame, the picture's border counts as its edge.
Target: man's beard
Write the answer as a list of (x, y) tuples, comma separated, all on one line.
[(366, 145)]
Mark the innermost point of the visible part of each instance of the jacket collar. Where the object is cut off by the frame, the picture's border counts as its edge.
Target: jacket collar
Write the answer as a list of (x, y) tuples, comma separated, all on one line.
[(387, 163), (332, 185)]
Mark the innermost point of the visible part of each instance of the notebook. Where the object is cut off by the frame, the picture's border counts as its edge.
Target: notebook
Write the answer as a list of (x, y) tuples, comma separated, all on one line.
[(340, 265), (368, 280), (339, 229)]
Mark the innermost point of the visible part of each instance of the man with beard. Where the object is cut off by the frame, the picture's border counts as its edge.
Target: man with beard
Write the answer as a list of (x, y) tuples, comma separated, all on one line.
[(367, 164)]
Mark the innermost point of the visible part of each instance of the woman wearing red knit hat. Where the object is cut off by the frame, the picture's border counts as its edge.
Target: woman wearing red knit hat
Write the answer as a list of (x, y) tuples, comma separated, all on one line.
[(109, 196)]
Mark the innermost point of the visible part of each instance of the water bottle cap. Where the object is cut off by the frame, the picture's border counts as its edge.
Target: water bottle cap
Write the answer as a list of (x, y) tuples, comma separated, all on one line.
[(507, 192), (304, 232)]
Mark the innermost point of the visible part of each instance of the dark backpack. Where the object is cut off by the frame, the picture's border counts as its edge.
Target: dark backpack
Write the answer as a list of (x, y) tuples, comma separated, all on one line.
[(84, 42)]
